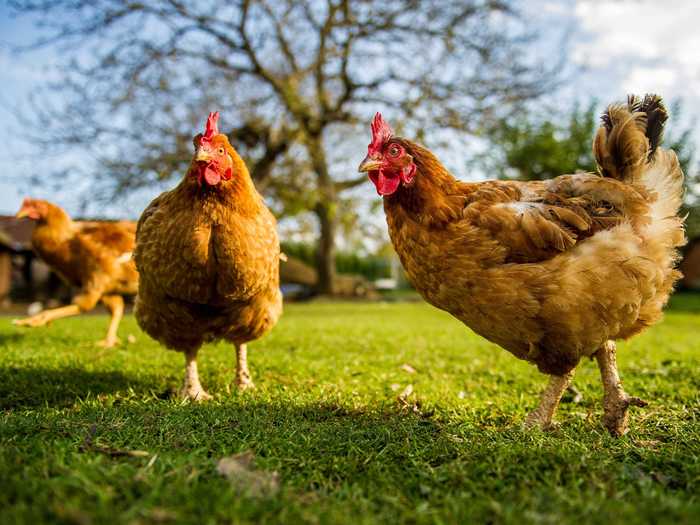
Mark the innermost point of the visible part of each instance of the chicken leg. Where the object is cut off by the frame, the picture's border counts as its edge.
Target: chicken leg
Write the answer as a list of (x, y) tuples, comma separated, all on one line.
[(45, 317), (115, 305), (615, 401), (243, 380), (542, 416), (192, 389)]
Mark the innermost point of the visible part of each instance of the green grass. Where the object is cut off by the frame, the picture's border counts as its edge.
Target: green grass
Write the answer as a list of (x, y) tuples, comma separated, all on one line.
[(326, 417)]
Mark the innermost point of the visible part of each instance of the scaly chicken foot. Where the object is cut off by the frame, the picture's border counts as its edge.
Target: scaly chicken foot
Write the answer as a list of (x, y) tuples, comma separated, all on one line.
[(615, 401), (542, 416), (115, 305), (243, 379), (45, 317), (109, 342), (34, 321), (192, 389)]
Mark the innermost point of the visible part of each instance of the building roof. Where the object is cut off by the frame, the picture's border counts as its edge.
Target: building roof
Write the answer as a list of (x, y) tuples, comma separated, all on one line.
[(16, 234)]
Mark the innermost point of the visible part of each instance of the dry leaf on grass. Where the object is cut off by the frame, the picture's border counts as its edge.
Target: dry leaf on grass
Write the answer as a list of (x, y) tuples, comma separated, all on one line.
[(414, 405), (245, 478), (89, 445), (648, 443), (405, 394), (115, 452), (408, 368)]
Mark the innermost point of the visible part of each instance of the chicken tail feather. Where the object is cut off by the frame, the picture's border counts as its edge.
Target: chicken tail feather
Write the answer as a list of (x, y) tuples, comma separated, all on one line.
[(653, 107), (629, 136), (626, 147)]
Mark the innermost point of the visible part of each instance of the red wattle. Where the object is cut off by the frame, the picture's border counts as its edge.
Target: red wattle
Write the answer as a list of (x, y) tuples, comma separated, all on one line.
[(407, 174), (207, 173), (211, 176), (385, 185)]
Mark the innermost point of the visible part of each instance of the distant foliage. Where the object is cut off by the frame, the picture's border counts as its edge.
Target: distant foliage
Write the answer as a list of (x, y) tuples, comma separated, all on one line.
[(534, 147), (531, 146), (295, 80), (371, 267)]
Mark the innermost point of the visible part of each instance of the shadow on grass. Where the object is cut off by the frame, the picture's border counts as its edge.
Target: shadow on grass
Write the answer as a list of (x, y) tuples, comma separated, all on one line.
[(324, 437), (8, 339), (29, 387), (325, 444), (331, 455)]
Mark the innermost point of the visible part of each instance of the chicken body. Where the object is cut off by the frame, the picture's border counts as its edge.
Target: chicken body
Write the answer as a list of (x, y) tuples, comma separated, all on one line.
[(209, 259), (553, 312), (552, 271), (92, 256)]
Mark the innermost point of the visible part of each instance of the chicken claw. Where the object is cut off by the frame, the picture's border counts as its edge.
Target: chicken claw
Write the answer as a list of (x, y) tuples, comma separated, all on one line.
[(615, 401), (109, 342), (33, 321), (542, 416), (115, 305), (244, 384), (243, 379), (197, 394), (45, 317), (192, 389)]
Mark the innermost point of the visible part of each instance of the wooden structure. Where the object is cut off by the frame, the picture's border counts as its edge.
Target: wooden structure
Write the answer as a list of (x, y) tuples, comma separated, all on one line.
[(690, 265), (23, 276)]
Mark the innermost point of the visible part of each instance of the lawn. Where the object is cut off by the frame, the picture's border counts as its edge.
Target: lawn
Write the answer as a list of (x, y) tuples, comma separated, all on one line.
[(96, 436)]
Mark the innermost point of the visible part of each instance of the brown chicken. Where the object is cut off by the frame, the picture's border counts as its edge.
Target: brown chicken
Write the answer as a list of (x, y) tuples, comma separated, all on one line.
[(93, 256), (552, 271), (208, 255)]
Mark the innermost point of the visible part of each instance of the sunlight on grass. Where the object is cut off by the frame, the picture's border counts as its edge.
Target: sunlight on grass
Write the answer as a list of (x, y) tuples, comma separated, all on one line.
[(326, 416)]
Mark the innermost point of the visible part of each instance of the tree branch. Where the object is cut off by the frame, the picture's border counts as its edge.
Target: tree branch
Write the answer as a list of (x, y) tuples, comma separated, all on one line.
[(347, 184)]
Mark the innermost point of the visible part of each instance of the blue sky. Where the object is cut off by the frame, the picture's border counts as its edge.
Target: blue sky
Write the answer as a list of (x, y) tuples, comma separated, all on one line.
[(616, 47)]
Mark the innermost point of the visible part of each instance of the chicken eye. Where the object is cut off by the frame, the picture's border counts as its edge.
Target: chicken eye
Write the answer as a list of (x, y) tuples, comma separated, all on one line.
[(394, 150), (221, 151)]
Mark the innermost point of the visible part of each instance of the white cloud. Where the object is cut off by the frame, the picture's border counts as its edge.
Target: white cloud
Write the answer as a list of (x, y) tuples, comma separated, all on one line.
[(648, 79), (644, 45)]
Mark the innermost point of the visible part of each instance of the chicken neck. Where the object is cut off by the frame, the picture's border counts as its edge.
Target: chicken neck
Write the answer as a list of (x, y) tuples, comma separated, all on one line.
[(237, 195), (435, 197)]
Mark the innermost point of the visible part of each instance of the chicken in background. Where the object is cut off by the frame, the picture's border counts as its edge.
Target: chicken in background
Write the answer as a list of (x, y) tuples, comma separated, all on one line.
[(93, 256), (208, 255), (552, 271)]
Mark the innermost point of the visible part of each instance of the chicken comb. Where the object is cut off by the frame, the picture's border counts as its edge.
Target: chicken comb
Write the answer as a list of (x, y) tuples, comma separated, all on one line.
[(212, 127), (381, 132)]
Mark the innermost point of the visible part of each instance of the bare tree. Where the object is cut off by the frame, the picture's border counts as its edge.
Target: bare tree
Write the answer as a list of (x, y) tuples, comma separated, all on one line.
[(137, 77)]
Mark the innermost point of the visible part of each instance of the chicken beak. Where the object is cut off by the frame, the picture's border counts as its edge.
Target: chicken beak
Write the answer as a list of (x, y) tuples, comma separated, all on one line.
[(21, 214), (369, 164), (202, 156)]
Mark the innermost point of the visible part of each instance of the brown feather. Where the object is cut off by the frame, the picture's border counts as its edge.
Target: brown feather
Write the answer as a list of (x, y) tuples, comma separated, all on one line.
[(549, 270), (629, 136), (209, 259), (87, 254)]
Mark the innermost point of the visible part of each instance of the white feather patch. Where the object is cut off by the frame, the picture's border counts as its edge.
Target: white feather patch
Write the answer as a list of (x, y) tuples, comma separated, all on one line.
[(124, 257), (521, 207)]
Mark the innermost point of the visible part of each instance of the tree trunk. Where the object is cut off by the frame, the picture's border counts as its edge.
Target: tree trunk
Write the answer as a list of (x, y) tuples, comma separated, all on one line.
[(325, 210), (325, 253)]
